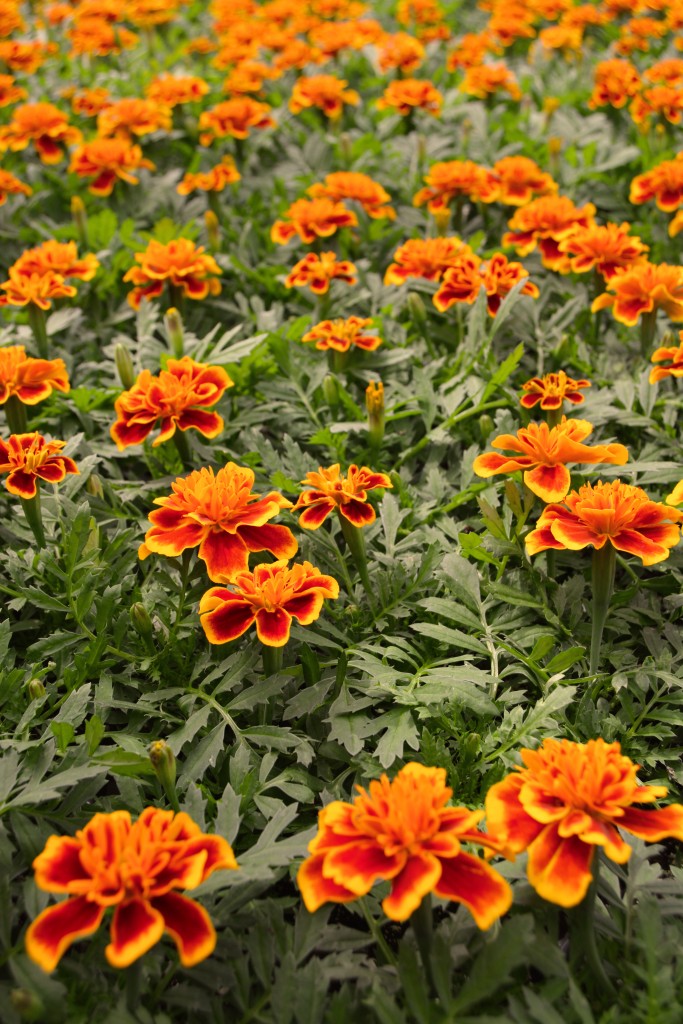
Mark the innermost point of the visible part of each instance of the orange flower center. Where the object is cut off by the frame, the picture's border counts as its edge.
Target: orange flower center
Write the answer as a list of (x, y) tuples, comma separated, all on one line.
[(403, 814)]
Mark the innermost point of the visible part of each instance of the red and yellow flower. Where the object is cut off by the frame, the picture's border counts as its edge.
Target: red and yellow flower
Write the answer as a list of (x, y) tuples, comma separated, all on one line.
[(39, 289), (672, 354), (218, 514), (57, 258), (181, 264), (486, 80), (542, 453), (214, 180), (324, 92), (616, 82), (643, 288), (357, 187), (173, 90), (661, 100), (606, 248), (568, 801), (12, 186), (341, 335), (25, 56), (404, 95), (28, 458), (235, 118), (178, 398), (546, 222), (317, 270), (467, 275), (31, 380), (311, 219), (401, 51), (107, 161), (44, 125), (132, 116), (348, 495), (664, 184), (271, 596), (89, 102), (515, 181), (135, 867), (9, 91), (402, 831), (552, 390), (450, 179), (428, 258), (616, 513)]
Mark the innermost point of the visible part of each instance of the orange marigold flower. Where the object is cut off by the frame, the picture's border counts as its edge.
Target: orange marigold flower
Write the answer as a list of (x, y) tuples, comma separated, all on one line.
[(566, 38), (9, 92), (616, 82), (39, 289), (662, 100), (108, 161), (671, 353), (601, 513), (25, 56), (181, 263), (271, 596), (340, 335), (218, 513), (146, 13), (452, 178), (408, 94), (568, 800), (214, 180), (178, 397), (676, 224), (172, 90), (134, 867), (606, 248), (326, 92), (543, 454), (297, 54), (357, 187), (57, 258), (311, 219), (248, 77), (499, 277), (346, 494), (44, 125), (90, 102), (97, 35), (133, 116), (546, 222), (9, 185), (233, 117), (664, 184), (316, 271), (10, 18), (400, 50), (462, 281), (488, 79), (426, 257), (515, 180), (425, 18), (29, 458), (471, 50), (31, 380), (552, 390), (669, 71), (641, 289), (402, 831)]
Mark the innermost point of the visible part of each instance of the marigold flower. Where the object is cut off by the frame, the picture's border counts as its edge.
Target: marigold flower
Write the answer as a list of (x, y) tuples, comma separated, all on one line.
[(31, 380), (234, 117), (462, 281), (408, 94), (616, 81), (44, 125), (669, 71), (213, 180), (39, 289), (402, 831), (552, 390), (546, 222), (146, 13), (179, 397), (325, 92), (173, 90), (132, 116), (662, 100), (428, 258), (181, 263), (488, 79), (9, 92), (643, 288), (134, 867), (499, 277), (29, 458), (401, 51), (614, 512), (357, 187), (98, 36), (11, 186), (452, 178), (218, 513), (674, 353), (568, 800), (346, 494), (57, 258), (25, 56), (315, 271), (543, 454), (311, 219), (90, 102), (607, 248), (664, 184), (471, 50), (271, 596), (340, 335), (108, 161), (515, 180), (10, 18), (424, 17), (248, 77)]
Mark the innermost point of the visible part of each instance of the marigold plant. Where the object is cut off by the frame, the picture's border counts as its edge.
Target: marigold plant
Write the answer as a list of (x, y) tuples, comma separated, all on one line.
[(546, 222), (107, 161), (342, 335), (326, 93), (404, 95), (30, 380), (45, 125), (357, 187), (235, 118), (551, 390), (311, 219), (347, 494)]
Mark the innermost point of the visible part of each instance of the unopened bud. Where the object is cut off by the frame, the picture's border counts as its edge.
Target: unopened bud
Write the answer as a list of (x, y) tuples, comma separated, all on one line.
[(139, 616), (550, 105), (213, 229), (124, 365), (345, 147), (93, 486), (485, 427), (555, 145), (27, 1004), (163, 761), (421, 149), (80, 219), (471, 745), (173, 323), (441, 218), (331, 390), (416, 309), (36, 689), (374, 403)]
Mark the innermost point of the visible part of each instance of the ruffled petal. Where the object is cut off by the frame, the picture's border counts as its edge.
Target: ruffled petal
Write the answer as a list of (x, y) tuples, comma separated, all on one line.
[(189, 926), (655, 824), (315, 515), (316, 889), (59, 866), (227, 620), (506, 820), (273, 627), (135, 927), (416, 880), (53, 931), (225, 555), (550, 483), (359, 513), (359, 865), (470, 880), (560, 869), (279, 540)]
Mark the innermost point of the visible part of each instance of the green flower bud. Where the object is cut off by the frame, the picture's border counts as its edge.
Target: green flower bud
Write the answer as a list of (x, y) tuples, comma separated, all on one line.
[(140, 619), (173, 323), (124, 365), (93, 486), (417, 310), (163, 761), (331, 390), (374, 403), (485, 427), (27, 1004), (36, 688)]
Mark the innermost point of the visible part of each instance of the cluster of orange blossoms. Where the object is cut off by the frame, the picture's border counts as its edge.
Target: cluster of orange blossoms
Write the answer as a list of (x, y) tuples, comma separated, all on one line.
[(182, 265), (326, 93), (354, 186), (28, 458), (664, 185), (41, 274), (107, 161)]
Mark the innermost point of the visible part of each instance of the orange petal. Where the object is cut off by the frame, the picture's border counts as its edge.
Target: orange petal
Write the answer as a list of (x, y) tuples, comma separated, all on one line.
[(506, 820), (550, 483), (316, 889), (359, 865), (418, 877), (225, 555), (653, 825), (559, 869), (273, 627), (470, 880), (189, 926), (53, 931), (136, 926), (228, 621)]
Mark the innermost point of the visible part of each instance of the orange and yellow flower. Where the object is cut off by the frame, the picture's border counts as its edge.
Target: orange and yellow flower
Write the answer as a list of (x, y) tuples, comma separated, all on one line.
[(271, 596), (402, 831), (664, 101), (546, 222), (348, 495), (324, 92), (471, 50), (107, 161), (405, 95), (552, 390), (664, 184), (132, 116), (616, 82), (12, 186), (515, 181), (9, 91), (89, 102), (218, 514), (178, 398), (542, 453), (341, 335), (214, 180), (357, 187), (25, 56), (28, 458), (467, 275), (136, 868), (616, 513), (672, 354), (316, 271), (643, 288), (401, 51), (450, 179), (31, 380), (57, 258), (486, 80), (606, 248), (39, 289), (181, 264), (235, 118), (311, 219), (173, 90), (44, 125), (568, 801), (428, 258)]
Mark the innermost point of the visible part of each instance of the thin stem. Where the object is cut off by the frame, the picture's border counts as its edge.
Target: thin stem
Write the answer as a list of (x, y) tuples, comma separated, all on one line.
[(554, 417), (422, 921), (604, 565), (355, 541), (582, 936), (36, 319), (377, 933), (272, 659), (15, 411), (183, 448), (648, 327), (34, 518), (133, 980)]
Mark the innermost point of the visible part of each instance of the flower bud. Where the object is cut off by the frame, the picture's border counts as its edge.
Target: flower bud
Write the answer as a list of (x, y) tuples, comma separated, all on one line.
[(345, 147), (441, 218), (36, 689), (331, 390), (124, 365), (80, 219), (27, 1004), (374, 403), (93, 486), (416, 309), (174, 332), (550, 105), (162, 759), (140, 618), (213, 229), (485, 427)]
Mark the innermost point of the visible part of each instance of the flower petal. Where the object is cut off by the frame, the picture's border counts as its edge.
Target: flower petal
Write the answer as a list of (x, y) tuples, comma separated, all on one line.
[(315, 515), (136, 926), (653, 825), (316, 889), (189, 926), (560, 869), (360, 513), (279, 540), (418, 877), (225, 555), (470, 880), (359, 865), (550, 483), (273, 627), (53, 931), (227, 621)]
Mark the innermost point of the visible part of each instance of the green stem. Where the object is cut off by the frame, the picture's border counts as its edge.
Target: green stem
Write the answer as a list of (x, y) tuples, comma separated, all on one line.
[(272, 659), (15, 411), (183, 448), (604, 565), (554, 417), (422, 921), (36, 319), (550, 564), (582, 936), (648, 327), (355, 541), (337, 360), (133, 980), (34, 518), (377, 933)]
